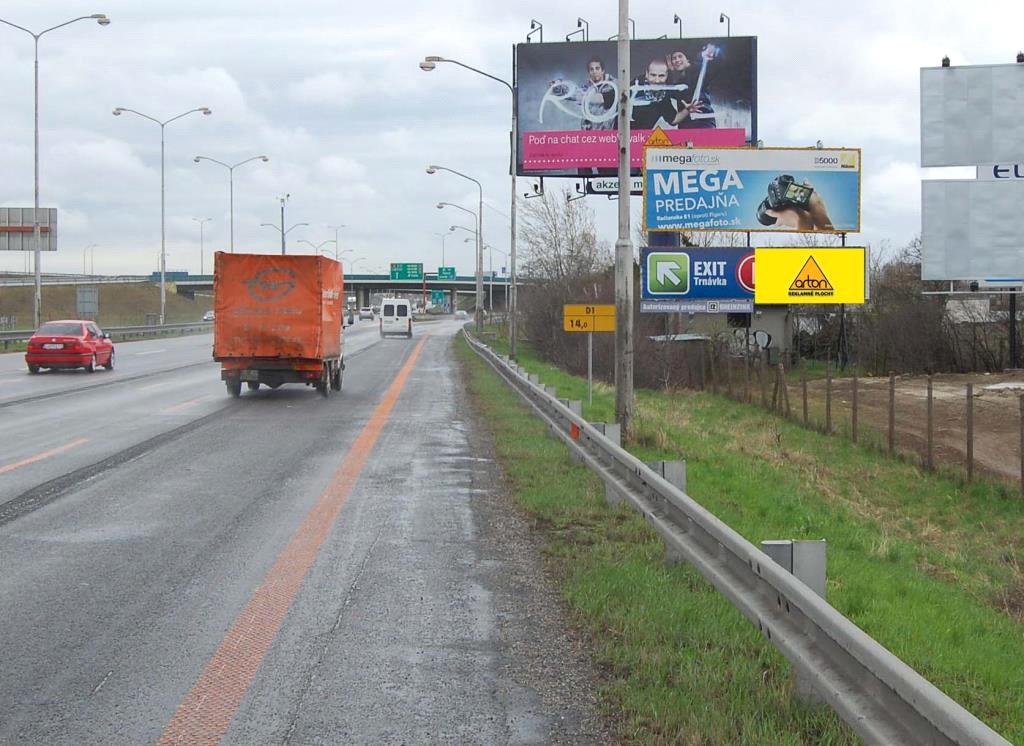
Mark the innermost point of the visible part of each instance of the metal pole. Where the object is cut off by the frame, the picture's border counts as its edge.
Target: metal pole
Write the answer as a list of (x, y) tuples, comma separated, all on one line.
[(624, 246), (38, 298), (590, 369), (970, 432), (490, 270), (480, 262), (929, 463), (163, 234), (892, 412), (231, 199), (1014, 347), (282, 226), (202, 247), (513, 299)]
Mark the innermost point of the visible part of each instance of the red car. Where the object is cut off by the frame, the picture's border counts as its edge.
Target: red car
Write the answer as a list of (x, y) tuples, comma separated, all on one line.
[(69, 344)]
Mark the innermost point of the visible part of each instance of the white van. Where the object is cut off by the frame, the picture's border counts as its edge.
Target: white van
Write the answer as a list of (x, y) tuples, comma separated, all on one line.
[(395, 317)]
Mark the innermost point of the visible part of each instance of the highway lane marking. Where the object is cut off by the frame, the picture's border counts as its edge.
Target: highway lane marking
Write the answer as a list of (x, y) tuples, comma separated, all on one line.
[(149, 352), (163, 385), (43, 455), (185, 404), (206, 712)]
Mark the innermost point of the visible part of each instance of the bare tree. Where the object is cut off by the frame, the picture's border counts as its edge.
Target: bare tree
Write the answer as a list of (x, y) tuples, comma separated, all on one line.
[(559, 239)]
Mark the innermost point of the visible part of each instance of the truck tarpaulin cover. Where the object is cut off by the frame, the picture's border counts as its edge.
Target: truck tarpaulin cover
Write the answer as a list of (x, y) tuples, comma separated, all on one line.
[(277, 306)]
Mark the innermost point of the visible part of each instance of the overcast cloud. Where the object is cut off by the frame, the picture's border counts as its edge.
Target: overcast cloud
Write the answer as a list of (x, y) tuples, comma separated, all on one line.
[(332, 93)]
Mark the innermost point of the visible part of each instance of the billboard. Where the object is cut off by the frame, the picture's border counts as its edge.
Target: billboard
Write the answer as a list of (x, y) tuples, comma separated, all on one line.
[(700, 90), (792, 190), (17, 229), (697, 280), (972, 229), (810, 275), (971, 114)]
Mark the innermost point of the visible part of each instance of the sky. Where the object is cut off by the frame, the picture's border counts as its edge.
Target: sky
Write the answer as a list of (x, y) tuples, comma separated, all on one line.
[(332, 93)]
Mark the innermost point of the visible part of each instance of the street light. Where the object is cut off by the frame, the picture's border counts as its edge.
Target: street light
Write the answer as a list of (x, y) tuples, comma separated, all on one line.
[(37, 298), (92, 255), (202, 244), (336, 228), (479, 246), (443, 237), (723, 18), (231, 184), (205, 111), (490, 258), (429, 64), (318, 246)]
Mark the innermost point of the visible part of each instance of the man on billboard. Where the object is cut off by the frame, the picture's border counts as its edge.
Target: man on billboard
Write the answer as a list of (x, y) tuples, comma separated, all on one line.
[(598, 98), (659, 100), (681, 71)]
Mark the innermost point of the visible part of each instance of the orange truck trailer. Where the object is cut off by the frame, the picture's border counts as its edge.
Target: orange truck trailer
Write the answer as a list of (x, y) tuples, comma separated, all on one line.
[(278, 319)]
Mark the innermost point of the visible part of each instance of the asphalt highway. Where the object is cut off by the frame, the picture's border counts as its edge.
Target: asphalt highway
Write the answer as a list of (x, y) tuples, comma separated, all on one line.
[(182, 567)]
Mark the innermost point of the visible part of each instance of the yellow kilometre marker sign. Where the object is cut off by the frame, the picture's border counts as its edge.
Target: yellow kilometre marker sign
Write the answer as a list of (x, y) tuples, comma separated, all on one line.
[(579, 317)]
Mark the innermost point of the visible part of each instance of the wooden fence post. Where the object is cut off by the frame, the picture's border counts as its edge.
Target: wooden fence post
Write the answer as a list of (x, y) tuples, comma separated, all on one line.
[(853, 412), (784, 401), (761, 373), (892, 412), (828, 399), (929, 463), (1021, 400), (803, 390), (746, 379), (970, 432)]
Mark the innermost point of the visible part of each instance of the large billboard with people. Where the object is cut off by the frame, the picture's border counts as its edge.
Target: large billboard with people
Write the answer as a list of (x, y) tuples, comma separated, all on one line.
[(701, 91), (812, 190)]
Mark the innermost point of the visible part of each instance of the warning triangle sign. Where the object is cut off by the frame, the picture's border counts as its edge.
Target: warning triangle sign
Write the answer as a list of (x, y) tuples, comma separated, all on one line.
[(658, 137), (810, 280)]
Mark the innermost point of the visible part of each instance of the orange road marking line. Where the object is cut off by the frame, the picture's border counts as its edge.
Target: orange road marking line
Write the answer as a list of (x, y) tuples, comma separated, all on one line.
[(44, 454), (206, 712), (184, 405)]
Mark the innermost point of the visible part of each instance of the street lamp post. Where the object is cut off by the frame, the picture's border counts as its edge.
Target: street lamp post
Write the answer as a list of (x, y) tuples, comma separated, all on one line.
[(318, 246), (37, 299), (90, 249), (490, 270), (479, 244), (205, 111), (428, 64), (443, 237), (231, 185), (202, 243), (337, 243)]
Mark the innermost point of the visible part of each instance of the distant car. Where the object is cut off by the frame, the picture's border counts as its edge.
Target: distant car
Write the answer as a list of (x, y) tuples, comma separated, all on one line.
[(208, 316), (366, 312), (460, 313), (396, 318), (69, 344)]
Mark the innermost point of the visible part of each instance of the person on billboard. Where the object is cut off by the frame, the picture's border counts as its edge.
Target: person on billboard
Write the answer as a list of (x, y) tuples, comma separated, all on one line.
[(698, 112), (793, 205), (597, 98), (655, 102)]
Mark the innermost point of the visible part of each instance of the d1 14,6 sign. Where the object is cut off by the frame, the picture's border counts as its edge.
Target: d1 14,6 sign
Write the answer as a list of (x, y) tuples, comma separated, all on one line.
[(582, 317)]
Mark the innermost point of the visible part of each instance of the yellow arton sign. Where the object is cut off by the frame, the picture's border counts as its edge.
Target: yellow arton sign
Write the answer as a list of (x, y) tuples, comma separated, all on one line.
[(580, 317), (812, 275)]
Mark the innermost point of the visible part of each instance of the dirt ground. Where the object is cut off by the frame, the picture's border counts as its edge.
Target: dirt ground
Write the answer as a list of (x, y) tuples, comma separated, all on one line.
[(997, 417)]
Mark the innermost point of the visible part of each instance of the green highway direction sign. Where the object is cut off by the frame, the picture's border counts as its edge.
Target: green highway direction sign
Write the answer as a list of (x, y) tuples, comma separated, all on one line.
[(406, 271), (446, 273), (668, 272), (437, 297)]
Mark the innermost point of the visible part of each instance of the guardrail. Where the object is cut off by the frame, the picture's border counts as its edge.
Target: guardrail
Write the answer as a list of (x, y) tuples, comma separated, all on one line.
[(879, 696), (122, 332)]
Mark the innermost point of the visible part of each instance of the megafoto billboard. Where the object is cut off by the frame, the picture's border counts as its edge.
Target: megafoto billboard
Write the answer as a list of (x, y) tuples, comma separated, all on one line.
[(700, 90), (798, 190)]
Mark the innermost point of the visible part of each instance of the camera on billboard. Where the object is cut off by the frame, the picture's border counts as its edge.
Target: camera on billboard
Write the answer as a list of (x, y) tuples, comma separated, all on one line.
[(783, 193)]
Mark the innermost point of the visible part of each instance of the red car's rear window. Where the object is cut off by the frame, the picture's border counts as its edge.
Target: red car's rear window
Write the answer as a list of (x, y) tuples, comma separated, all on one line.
[(60, 330)]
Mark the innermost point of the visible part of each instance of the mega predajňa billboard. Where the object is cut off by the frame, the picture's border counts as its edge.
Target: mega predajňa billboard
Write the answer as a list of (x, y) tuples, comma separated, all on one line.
[(700, 90), (799, 190)]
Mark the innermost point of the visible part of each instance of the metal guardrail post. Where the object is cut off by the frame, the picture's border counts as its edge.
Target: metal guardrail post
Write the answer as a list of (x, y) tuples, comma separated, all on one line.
[(880, 697)]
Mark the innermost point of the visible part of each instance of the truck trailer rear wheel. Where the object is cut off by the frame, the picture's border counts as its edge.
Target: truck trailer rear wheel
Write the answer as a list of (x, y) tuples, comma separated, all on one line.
[(234, 387)]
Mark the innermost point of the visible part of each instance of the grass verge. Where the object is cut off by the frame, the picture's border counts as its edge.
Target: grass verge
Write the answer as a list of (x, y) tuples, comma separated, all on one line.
[(927, 566)]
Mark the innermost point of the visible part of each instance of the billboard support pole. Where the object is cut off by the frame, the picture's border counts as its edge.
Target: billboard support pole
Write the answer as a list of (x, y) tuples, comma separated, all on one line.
[(1014, 346), (624, 245)]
